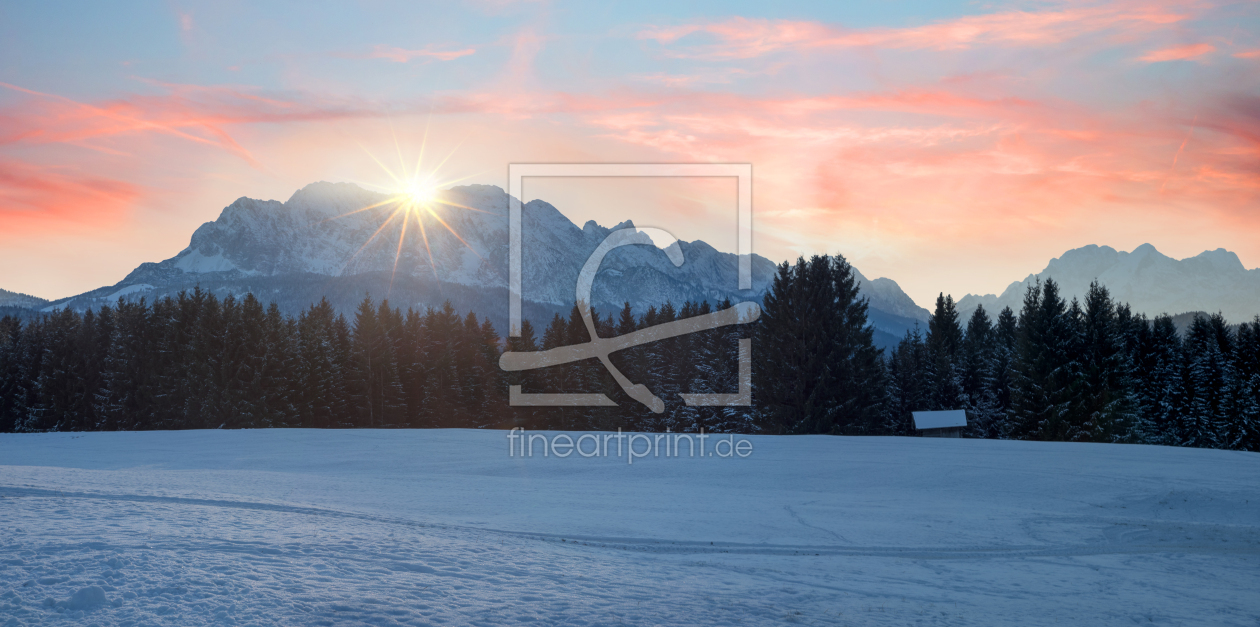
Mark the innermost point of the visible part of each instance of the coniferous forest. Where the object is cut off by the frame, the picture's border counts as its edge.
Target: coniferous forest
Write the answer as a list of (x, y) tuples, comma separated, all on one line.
[(1089, 371)]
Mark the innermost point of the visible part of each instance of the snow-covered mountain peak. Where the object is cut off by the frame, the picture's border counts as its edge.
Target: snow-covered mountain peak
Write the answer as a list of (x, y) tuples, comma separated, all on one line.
[(331, 199), (1220, 260), (1151, 282)]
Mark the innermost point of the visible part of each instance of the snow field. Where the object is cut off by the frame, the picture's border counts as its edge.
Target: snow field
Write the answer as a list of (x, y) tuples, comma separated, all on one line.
[(298, 527)]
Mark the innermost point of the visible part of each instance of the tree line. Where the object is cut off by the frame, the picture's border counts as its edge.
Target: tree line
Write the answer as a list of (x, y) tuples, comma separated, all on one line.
[(1089, 371), (1056, 370), (195, 361)]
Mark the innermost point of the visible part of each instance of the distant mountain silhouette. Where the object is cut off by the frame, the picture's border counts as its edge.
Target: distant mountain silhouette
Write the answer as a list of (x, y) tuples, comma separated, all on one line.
[(1149, 281)]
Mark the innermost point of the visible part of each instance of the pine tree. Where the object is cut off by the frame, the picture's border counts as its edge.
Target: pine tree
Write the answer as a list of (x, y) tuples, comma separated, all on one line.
[(364, 381), (1106, 402), (792, 392), (13, 377), (944, 343), (1164, 383), (317, 369), (123, 402), (909, 383), (979, 356), (57, 393), (393, 405), (526, 342), (1205, 384), (211, 404), (1006, 343), (247, 350), (341, 396), (826, 375), (669, 369), (1042, 372), (276, 379), (412, 369), (1247, 399), (441, 349)]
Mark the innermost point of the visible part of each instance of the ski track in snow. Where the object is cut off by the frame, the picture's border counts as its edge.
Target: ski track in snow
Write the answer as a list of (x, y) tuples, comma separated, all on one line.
[(434, 528)]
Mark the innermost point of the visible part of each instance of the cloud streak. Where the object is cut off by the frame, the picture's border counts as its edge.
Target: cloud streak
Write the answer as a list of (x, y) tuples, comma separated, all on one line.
[(744, 38), (190, 113), (402, 55), (1178, 53)]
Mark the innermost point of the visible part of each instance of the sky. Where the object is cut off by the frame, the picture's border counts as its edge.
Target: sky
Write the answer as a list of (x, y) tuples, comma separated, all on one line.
[(951, 146)]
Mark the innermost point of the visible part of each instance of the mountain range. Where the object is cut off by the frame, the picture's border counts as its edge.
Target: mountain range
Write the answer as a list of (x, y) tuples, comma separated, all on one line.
[(322, 242), (335, 241), (1149, 281)]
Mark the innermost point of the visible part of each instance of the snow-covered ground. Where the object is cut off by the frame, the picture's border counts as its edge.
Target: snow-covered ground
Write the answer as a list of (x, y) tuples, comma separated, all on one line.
[(443, 527)]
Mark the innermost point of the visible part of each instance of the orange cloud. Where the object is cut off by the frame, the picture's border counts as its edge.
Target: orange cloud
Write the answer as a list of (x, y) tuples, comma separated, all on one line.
[(1178, 53), (888, 173), (33, 199), (191, 113), (401, 55), (742, 38), (1248, 54)]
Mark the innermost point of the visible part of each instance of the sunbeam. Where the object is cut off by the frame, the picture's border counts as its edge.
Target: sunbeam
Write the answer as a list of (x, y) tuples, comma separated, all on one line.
[(414, 193)]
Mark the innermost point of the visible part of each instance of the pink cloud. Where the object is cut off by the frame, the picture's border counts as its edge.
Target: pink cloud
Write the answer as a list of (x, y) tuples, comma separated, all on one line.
[(401, 55), (715, 77), (741, 38), (34, 198), (192, 113), (1248, 54), (905, 166), (1178, 53)]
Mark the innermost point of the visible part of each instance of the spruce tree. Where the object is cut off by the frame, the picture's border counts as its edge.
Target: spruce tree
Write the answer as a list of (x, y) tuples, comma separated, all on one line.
[(1042, 373), (1106, 402), (1006, 342), (944, 343), (909, 383), (317, 369), (527, 342), (12, 376), (1247, 376), (1207, 372), (123, 402), (979, 359), (57, 393), (824, 374), (1160, 383), (413, 369)]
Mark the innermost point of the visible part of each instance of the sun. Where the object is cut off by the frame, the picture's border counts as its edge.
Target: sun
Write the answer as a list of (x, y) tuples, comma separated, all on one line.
[(419, 193), (413, 196)]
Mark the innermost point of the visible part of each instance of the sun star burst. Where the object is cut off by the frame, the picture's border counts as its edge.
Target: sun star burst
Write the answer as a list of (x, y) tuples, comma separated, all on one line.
[(414, 195)]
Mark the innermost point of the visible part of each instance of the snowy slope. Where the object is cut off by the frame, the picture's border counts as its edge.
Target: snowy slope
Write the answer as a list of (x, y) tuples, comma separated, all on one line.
[(1149, 281), (443, 527)]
